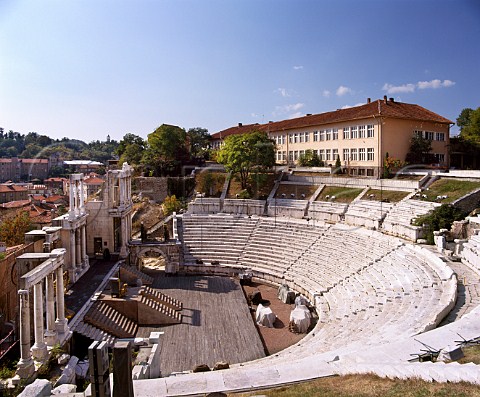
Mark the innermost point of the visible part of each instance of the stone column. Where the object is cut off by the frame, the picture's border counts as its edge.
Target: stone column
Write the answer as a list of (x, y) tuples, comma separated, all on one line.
[(73, 257), (71, 202), (39, 348), (61, 321), (82, 198), (25, 366), (123, 243), (84, 245), (121, 186), (78, 250), (50, 333)]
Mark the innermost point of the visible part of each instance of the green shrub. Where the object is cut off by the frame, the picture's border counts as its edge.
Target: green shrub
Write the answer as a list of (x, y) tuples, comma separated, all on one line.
[(440, 218)]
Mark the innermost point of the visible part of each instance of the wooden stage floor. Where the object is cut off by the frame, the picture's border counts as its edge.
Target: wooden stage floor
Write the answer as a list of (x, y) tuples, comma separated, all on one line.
[(216, 326)]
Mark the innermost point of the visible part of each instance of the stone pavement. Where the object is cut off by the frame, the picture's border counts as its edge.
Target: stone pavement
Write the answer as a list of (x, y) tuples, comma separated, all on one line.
[(83, 289)]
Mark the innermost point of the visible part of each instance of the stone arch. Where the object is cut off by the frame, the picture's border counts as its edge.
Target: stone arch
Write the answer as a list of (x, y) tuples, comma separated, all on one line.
[(169, 252)]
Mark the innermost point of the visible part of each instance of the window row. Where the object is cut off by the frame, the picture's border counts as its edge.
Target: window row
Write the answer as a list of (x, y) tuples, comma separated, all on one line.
[(360, 154), (329, 134), (430, 135)]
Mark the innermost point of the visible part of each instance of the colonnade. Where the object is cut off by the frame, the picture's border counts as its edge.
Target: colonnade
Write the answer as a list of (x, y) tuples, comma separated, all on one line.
[(46, 280)]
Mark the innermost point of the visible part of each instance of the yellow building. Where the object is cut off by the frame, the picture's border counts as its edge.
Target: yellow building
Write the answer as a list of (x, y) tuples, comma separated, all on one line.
[(361, 136)]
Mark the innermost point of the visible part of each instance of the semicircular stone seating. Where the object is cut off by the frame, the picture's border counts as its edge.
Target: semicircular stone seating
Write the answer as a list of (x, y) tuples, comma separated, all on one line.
[(361, 281)]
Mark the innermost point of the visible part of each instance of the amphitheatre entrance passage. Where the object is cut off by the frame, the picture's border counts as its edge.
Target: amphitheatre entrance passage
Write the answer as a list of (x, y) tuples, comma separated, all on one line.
[(166, 254)]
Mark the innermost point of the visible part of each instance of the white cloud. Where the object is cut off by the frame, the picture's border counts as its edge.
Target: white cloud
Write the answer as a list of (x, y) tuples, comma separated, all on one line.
[(342, 90), (294, 107), (326, 93), (283, 92), (392, 89), (299, 67), (421, 85), (352, 106), (295, 115), (436, 83)]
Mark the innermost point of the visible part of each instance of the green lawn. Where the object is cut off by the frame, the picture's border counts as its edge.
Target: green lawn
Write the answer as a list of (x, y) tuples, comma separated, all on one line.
[(453, 188), (369, 386), (392, 196), (342, 194), (297, 190)]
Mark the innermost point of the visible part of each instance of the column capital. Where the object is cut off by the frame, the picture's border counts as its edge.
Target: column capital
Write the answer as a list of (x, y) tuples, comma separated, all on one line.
[(23, 292)]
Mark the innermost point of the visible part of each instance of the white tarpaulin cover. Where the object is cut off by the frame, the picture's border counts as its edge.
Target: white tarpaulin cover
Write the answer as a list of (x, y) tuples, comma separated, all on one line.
[(264, 316), (301, 317)]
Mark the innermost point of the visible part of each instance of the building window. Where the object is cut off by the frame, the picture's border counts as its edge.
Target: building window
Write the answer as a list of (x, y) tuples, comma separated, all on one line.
[(440, 157), (290, 138), (429, 135), (361, 154), (335, 134), (346, 132), (370, 154), (329, 134), (307, 136), (370, 172), (439, 136), (334, 154), (370, 131), (354, 132), (322, 135), (353, 155), (302, 152), (284, 156), (315, 136), (321, 154), (417, 133), (346, 154), (295, 138), (290, 155), (327, 155), (361, 131)]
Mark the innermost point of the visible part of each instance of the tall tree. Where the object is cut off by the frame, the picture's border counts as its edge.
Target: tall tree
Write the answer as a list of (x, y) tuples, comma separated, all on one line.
[(470, 128), (420, 151), (166, 149), (130, 149), (13, 228), (241, 154), (197, 141), (464, 118)]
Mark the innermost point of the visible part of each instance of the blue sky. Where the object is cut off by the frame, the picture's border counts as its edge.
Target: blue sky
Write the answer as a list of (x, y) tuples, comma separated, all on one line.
[(85, 69)]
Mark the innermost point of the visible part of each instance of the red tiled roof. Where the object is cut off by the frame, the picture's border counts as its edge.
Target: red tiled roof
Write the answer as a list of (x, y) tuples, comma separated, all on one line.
[(93, 181), (238, 129), (34, 161), (12, 188), (55, 179), (378, 108), (16, 204)]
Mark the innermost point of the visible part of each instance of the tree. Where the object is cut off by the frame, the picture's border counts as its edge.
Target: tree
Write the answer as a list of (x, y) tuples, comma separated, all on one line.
[(197, 141), (420, 151), (241, 154), (13, 228), (464, 118), (338, 165), (310, 159), (470, 126), (170, 205), (166, 150), (130, 149)]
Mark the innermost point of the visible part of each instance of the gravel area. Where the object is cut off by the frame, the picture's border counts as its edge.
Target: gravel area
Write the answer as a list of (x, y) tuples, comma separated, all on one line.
[(277, 338)]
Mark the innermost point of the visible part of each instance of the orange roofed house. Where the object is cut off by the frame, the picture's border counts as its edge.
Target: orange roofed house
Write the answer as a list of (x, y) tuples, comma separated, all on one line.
[(361, 136)]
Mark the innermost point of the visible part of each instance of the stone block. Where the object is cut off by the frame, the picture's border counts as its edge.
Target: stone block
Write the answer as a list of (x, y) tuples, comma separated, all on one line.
[(64, 389), (155, 337), (39, 388)]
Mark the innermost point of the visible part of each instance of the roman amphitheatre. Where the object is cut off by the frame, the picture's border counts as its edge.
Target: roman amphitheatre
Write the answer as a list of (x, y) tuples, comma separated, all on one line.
[(348, 246)]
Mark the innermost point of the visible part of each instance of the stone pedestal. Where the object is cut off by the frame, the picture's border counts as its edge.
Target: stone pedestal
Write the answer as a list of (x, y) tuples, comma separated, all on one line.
[(122, 370)]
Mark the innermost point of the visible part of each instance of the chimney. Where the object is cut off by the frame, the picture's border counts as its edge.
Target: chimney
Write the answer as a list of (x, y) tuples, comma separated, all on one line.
[(391, 100), (385, 99), (369, 100), (270, 121), (240, 124), (308, 114)]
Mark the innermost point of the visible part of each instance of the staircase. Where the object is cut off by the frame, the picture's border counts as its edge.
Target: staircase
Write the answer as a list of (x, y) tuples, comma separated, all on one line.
[(106, 318), (130, 274), (151, 312), (160, 297)]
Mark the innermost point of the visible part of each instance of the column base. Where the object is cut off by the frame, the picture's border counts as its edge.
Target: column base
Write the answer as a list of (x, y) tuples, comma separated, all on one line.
[(62, 326), (25, 368), (123, 252), (50, 338), (39, 351)]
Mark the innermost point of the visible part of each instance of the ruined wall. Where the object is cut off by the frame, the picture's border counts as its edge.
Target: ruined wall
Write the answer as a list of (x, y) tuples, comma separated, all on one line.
[(9, 281), (468, 202), (155, 188)]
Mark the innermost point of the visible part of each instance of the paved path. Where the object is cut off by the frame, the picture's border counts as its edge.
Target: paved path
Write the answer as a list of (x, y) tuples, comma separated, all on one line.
[(83, 289)]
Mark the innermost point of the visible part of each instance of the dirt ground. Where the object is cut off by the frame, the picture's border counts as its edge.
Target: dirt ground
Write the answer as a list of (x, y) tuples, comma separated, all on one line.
[(277, 338)]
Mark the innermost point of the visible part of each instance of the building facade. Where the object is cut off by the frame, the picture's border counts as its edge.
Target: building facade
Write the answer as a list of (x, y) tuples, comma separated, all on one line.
[(360, 136)]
